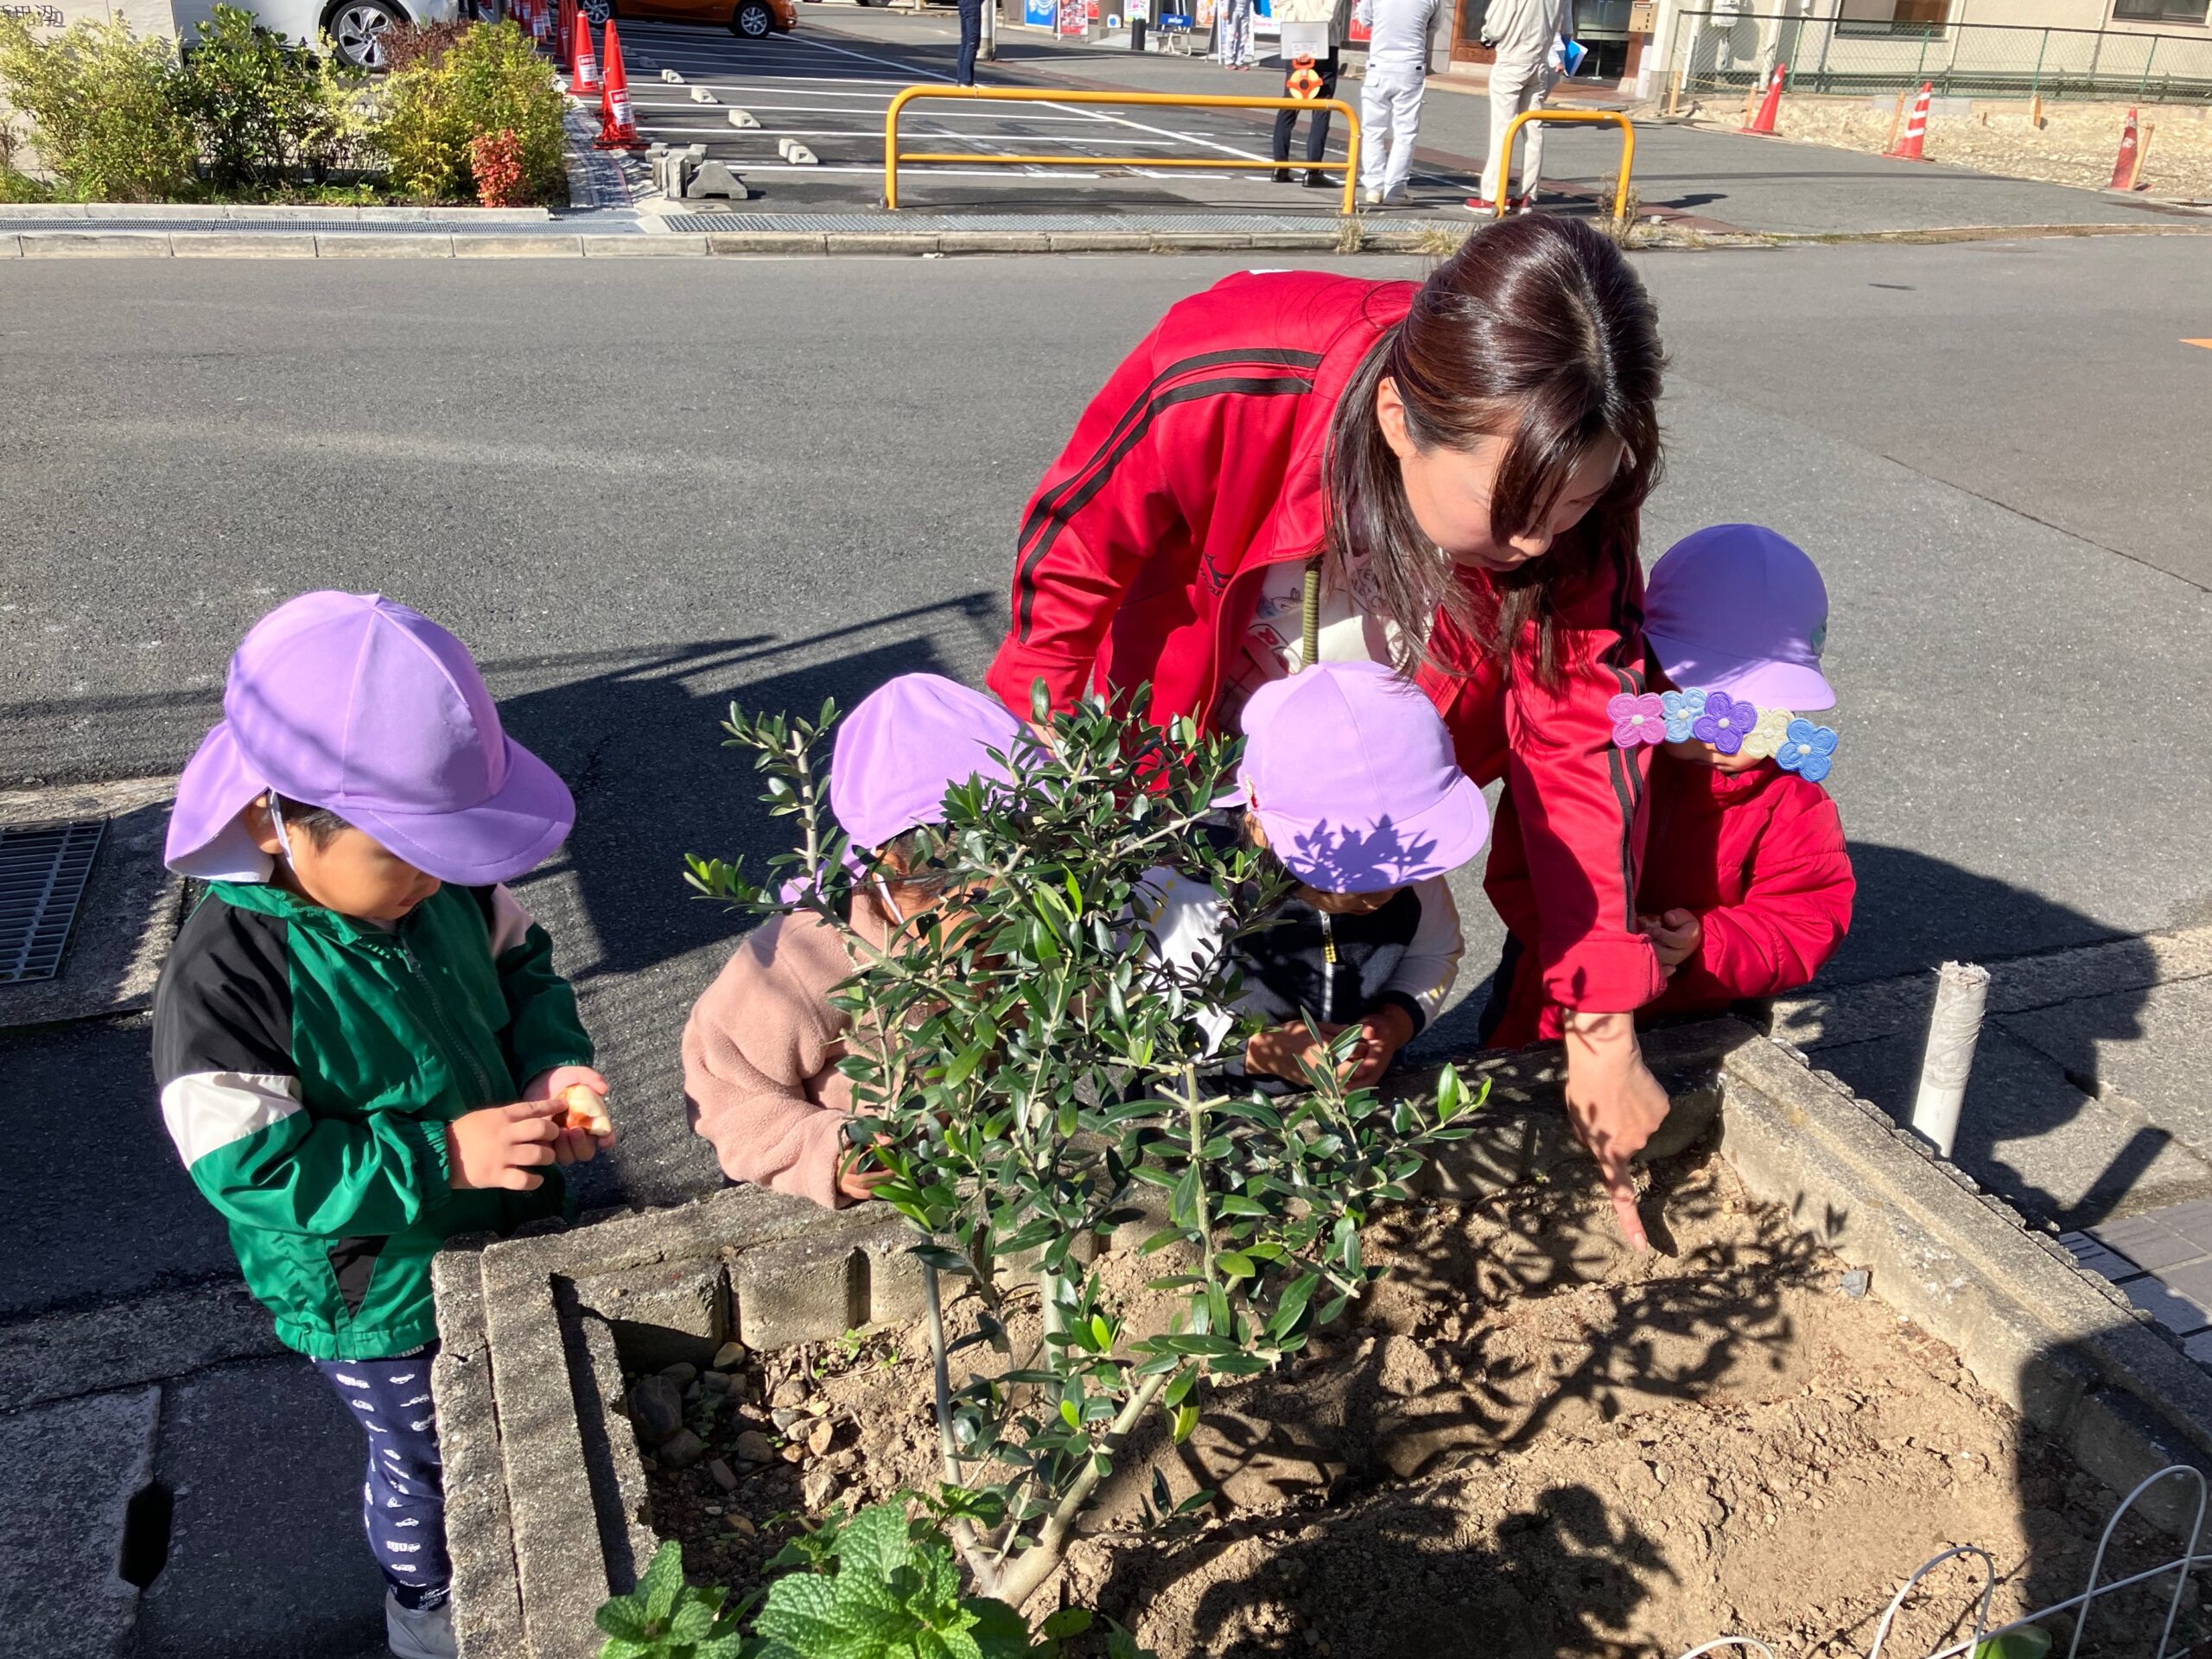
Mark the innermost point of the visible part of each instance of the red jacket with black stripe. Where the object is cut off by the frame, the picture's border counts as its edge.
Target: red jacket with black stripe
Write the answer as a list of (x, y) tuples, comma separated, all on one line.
[(1757, 854), (1143, 552)]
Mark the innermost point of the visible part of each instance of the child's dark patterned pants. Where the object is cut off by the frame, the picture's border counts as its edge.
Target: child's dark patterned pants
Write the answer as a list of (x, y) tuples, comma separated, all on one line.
[(402, 1501)]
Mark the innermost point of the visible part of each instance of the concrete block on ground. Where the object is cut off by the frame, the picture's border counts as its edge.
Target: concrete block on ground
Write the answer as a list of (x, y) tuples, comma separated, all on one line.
[(701, 95), (744, 118), (1100, 242), (266, 1555), (713, 180), (765, 242), (798, 155), (644, 247), (671, 77), (68, 1474), (909, 243), (894, 1275), (1323, 238), (487, 1608), (95, 245), (466, 246), (402, 245), (2115, 1439), (1199, 241), (799, 1290), (242, 244), (625, 1534), (664, 1313), (11, 246), (994, 242)]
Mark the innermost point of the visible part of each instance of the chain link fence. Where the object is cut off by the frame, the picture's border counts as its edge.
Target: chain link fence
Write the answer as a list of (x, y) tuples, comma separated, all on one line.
[(1718, 52)]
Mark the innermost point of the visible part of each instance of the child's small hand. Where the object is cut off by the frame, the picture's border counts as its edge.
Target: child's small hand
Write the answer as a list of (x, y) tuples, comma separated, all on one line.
[(1382, 1034), (860, 1173), (1674, 937), (1286, 1050), (504, 1146), (572, 1146)]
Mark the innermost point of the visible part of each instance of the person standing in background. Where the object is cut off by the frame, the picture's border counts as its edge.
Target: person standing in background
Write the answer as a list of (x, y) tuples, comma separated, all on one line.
[(1233, 33), (971, 39), (1528, 36), (1317, 133), (1390, 98)]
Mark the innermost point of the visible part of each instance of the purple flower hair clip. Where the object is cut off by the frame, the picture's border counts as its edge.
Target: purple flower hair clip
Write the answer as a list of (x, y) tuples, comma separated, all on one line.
[(1725, 722), (1808, 750), (1638, 719)]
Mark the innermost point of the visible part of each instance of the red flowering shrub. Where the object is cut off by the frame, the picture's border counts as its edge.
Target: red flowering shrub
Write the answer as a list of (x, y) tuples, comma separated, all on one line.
[(495, 162)]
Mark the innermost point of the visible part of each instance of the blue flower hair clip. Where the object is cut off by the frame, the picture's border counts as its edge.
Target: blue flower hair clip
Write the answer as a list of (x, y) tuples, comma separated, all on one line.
[(1808, 750), (1729, 724)]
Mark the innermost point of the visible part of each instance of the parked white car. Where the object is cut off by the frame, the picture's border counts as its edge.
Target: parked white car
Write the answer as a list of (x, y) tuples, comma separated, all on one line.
[(353, 28)]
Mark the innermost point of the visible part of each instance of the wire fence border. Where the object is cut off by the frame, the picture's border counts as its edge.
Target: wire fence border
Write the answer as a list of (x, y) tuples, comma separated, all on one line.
[(2181, 1566)]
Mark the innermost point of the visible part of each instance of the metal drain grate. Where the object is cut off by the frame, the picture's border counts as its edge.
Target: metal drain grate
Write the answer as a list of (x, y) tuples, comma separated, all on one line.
[(43, 869)]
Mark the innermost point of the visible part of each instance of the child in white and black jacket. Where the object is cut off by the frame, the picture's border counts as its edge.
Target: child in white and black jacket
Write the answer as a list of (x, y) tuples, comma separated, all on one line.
[(1349, 779)]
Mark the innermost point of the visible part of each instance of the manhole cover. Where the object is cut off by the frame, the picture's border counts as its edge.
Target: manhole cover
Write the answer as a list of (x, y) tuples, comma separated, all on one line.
[(43, 869)]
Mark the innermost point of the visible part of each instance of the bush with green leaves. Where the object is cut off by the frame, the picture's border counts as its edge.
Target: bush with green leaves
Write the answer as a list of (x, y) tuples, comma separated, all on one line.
[(104, 106), (266, 112), (486, 77), (877, 1587), (1026, 1066)]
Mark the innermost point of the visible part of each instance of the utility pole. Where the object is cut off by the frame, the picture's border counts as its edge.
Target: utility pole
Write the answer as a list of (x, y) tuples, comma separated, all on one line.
[(990, 52)]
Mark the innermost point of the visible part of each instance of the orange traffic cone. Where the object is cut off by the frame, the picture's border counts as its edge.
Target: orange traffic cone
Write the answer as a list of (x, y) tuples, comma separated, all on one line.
[(2129, 161), (618, 128), (1772, 107), (564, 29), (583, 72), (541, 25), (1916, 130)]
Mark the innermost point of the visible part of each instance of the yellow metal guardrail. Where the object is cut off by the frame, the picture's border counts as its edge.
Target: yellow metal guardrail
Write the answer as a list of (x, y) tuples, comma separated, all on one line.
[(1570, 118), (893, 156)]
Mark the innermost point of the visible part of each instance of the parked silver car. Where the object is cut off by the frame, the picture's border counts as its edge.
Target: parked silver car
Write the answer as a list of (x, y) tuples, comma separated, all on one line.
[(354, 27)]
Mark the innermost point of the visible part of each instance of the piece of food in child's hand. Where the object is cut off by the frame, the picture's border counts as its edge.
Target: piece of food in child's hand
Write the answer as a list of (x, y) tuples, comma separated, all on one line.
[(586, 1110)]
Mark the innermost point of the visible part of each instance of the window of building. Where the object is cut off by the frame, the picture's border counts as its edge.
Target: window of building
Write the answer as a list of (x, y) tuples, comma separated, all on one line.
[(1902, 17), (2160, 12)]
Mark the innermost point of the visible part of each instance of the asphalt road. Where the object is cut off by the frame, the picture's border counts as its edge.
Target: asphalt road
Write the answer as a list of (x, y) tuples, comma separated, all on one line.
[(640, 490)]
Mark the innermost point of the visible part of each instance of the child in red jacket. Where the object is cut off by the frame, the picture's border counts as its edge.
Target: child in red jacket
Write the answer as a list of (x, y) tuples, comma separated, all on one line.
[(1745, 889)]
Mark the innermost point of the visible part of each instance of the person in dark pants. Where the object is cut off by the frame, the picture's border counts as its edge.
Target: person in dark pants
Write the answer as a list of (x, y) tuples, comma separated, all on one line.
[(1317, 132), (971, 37)]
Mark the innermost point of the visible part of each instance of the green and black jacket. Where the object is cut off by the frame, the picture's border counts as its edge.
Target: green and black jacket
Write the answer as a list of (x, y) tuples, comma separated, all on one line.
[(308, 1065)]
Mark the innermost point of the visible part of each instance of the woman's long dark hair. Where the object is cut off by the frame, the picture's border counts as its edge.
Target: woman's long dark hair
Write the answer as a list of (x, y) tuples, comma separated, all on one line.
[(1535, 331)]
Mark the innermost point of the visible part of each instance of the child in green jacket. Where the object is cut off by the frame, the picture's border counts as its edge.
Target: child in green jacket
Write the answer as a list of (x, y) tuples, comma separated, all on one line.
[(360, 1039)]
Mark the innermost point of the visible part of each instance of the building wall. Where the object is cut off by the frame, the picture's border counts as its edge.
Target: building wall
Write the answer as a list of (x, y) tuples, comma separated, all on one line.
[(146, 17)]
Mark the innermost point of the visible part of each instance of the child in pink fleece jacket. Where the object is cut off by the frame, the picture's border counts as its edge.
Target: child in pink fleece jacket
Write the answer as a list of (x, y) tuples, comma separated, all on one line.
[(760, 1051)]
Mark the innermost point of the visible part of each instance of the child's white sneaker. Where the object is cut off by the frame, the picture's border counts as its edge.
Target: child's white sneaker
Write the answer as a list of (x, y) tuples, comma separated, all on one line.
[(424, 1633)]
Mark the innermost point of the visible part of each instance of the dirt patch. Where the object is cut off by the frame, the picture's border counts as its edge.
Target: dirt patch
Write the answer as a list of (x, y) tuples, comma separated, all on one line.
[(2075, 145), (1525, 1442)]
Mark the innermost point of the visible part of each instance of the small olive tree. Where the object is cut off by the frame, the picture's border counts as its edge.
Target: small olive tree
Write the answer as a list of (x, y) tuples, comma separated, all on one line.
[(1027, 1068)]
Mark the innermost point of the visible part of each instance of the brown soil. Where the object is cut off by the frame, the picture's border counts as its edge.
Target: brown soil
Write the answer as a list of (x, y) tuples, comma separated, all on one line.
[(2077, 144), (1525, 1442)]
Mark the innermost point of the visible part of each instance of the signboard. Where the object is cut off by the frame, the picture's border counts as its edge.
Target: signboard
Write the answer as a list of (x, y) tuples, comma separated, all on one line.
[(1264, 25), (1137, 10), (1040, 13), (1642, 16)]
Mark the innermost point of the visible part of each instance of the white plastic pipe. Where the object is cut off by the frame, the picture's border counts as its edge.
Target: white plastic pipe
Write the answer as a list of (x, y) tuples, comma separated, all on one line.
[(1962, 989)]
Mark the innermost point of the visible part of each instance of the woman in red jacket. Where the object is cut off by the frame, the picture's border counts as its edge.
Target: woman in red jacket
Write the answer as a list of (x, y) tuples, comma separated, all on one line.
[(1463, 463)]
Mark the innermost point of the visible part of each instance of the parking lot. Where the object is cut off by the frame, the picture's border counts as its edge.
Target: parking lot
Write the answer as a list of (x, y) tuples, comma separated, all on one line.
[(829, 85)]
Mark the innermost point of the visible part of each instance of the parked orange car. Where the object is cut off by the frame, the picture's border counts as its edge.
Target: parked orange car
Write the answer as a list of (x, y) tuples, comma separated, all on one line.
[(754, 19)]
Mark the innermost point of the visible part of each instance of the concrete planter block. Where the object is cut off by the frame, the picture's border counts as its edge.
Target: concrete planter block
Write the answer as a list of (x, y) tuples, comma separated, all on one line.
[(665, 1313), (802, 1290), (895, 1293)]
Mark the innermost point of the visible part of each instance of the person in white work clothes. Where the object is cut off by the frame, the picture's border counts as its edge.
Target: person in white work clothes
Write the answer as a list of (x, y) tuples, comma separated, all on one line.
[(1390, 98), (1530, 37)]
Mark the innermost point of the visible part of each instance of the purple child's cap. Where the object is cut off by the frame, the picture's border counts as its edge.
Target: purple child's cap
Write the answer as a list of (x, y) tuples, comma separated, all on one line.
[(1738, 608), (1351, 770), (904, 744), (357, 703)]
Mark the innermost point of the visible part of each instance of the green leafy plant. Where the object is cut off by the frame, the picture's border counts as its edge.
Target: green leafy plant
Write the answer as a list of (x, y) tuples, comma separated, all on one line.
[(879, 1586), (1027, 1066), (258, 105), (486, 78), (666, 1619), (106, 118)]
